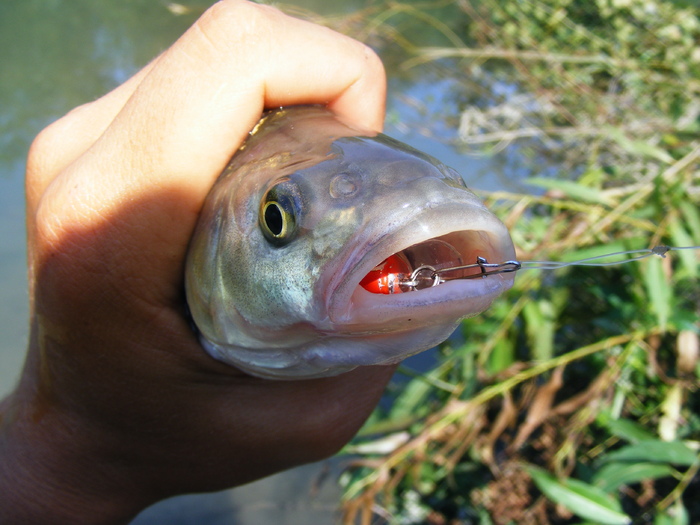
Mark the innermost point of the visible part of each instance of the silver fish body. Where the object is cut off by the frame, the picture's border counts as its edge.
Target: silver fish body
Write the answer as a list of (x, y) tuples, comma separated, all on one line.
[(306, 210)]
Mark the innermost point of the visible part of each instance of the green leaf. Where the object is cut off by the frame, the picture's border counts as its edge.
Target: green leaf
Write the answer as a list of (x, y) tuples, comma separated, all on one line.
[(413, 395), (656, 451), (691, 215), (628, 430), (484, 517), (688, 257), (539, 326), (658, 290), (614, 475), (584, 500), (676, 515), (572, 189), (639, 147), (501, 357)]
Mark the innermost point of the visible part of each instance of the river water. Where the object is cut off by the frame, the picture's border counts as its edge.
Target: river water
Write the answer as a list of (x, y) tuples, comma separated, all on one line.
[(57, 54)]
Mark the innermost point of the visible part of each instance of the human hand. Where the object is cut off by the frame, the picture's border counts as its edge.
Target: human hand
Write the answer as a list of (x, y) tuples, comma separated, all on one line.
[(118, 406)]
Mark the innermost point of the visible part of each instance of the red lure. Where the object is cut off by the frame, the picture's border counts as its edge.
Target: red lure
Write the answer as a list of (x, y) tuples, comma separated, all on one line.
[(384, 278)]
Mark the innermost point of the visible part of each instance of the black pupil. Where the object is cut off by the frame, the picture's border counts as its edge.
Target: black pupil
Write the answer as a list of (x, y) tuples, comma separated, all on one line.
[(273, 218)]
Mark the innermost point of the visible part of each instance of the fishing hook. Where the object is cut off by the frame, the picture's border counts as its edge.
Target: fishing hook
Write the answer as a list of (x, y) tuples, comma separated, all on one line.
[(426, 276)]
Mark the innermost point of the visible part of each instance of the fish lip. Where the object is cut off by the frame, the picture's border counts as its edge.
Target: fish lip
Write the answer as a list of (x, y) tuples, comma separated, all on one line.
[(361, 311)]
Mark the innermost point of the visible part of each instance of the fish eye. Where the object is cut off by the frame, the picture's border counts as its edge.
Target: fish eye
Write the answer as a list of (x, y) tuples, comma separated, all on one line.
[(278, 219)]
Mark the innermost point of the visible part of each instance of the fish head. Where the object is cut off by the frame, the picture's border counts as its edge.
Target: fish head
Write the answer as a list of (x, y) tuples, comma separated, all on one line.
[(305, 214)]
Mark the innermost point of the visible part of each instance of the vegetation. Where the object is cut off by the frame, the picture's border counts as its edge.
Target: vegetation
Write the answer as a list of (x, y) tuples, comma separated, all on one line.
[(576, 397)]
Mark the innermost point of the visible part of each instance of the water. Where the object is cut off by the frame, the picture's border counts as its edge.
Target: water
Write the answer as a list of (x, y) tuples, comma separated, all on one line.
[(58, 54)]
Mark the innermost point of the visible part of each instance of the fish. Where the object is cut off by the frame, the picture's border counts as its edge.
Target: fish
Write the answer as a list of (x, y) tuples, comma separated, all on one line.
[(301, 260)]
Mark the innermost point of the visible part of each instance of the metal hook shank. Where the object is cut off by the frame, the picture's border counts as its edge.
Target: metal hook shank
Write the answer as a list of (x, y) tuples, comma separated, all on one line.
[(427, 276)]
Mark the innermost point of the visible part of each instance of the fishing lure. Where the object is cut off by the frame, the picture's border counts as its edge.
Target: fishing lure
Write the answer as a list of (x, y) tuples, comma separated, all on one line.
[(394, 275)]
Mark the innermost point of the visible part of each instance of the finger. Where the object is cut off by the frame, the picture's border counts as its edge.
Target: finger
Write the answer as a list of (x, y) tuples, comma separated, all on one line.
[(187, 115), (66, 139), (195, 107)]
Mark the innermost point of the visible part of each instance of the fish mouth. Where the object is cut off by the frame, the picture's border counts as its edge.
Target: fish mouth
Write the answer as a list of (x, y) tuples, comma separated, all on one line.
[(381, 294), (429, 263)]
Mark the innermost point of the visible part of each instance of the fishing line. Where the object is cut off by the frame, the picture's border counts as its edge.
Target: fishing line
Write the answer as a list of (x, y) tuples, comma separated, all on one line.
[(661, 250), (427, 276)]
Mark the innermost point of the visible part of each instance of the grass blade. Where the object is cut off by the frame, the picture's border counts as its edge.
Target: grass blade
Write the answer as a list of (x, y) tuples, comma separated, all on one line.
[(657, 451), (584, 500), (572, 189), (658, 291), (628, 430), (614, 475)]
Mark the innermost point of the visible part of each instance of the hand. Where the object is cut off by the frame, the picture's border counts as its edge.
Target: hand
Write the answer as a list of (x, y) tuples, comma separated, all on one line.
[(118, 406)]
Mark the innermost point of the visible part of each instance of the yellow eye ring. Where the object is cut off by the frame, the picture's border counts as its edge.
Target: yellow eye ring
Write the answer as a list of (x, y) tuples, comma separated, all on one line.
[(278, 216), (275, 219)]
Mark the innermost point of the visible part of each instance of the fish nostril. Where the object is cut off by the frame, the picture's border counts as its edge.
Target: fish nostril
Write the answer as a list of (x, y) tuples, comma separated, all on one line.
[(343, 186)]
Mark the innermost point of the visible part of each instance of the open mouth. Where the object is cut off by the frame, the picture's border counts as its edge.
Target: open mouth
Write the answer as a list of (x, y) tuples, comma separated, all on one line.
[(432, 262), (395, 284)]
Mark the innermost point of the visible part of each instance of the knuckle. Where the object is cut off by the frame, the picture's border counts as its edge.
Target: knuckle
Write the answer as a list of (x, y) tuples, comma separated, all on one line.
[(369, 62), (39, 169), (39, 150), (373, 61), (51, 150), (236, 22)]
